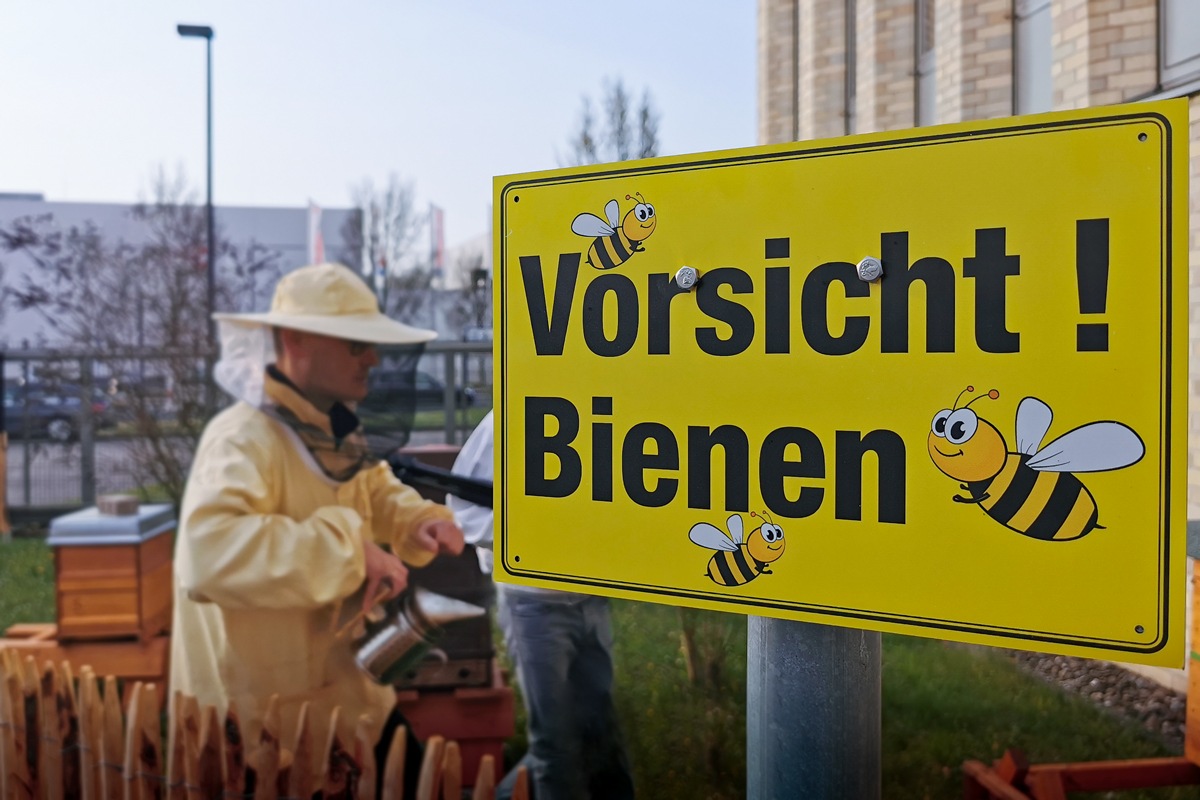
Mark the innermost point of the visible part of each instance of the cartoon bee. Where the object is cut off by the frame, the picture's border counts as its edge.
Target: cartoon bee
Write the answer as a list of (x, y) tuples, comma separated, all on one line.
[(1032, 491), (736, 562), (615, 244)]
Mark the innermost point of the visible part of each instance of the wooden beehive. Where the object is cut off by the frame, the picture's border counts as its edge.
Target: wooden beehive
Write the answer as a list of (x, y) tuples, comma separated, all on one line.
[(113, 573)]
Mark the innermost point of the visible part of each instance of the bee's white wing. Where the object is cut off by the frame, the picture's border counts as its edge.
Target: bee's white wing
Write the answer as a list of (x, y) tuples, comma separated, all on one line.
[(711, 537), (1033, 420), (590, 225), (1097, 447), (735, 528), (612, 211)]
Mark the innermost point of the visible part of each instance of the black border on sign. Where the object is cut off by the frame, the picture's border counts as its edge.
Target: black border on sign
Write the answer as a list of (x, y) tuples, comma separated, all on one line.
[(749, 604)]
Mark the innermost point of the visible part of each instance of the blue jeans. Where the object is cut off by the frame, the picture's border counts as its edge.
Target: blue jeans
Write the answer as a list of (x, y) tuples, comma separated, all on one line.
[(561, 645)]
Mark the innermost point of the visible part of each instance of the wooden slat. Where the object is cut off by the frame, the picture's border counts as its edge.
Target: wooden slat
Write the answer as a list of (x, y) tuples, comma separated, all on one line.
[(190, 723), (129, 764), (176, 789), (302, 782), (67, 717), (340, 772), (235, 753), (21, 781), (211, 759), (89, 735), (266, 758), (151, 765), (393, 767), (6, 721), (485, 780), (34, 631), (31, 709), (430, 782), (50, 767), (364, 754), (521, 787), (68, 681), (18, 783), (452, 772), (978, 777), (112, 785), (1116, 775), (284, 781)]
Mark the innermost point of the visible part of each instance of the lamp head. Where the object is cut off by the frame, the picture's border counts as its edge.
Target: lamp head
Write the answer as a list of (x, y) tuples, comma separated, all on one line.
[(197, 31)]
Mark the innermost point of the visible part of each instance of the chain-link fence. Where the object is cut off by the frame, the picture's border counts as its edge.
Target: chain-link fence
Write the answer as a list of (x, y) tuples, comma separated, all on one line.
[(85, 424)]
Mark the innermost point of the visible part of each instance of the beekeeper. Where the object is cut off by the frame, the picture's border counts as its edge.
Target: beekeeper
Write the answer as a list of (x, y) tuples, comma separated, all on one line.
[(285, 510)]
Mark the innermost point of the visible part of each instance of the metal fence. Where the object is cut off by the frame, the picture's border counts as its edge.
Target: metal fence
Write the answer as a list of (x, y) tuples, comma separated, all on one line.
[(69, 439)]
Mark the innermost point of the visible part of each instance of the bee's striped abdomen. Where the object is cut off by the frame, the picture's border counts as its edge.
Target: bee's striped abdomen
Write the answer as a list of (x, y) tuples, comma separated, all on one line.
[(1041, 505), (610, 251), (731, 568)]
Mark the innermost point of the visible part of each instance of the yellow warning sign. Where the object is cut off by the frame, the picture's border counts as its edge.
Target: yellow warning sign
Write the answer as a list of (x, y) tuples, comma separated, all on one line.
[(931, 381)]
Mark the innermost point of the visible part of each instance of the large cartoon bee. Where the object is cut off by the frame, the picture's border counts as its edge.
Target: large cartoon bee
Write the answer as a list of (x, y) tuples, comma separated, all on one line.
[(1032, 491), (615, 244), (736, 562)]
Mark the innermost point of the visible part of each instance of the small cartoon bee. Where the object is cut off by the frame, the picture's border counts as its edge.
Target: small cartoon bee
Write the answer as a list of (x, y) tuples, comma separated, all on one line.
[(1032, 491), (615, 244), (736, 562)]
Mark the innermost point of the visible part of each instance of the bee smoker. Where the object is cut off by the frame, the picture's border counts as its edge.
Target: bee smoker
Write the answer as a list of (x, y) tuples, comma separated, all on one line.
[(407, 633)]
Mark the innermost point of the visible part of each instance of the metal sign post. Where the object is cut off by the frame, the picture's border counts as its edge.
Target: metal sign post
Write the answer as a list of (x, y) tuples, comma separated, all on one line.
[(812, 711)]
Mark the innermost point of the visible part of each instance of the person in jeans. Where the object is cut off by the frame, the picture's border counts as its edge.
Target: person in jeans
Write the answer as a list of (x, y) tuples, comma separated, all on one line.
[(561, 645)]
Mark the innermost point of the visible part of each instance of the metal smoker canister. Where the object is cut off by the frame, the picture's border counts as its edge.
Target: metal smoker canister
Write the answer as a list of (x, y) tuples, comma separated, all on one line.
[(408, 633)]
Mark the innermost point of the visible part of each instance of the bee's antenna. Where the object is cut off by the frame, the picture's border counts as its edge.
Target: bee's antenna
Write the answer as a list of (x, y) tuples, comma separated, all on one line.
[(960, 394), (765, 515), (993, 394), (627, 197)]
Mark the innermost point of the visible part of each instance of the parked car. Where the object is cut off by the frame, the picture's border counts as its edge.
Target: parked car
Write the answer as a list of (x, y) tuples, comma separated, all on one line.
[(391, 389), (53, 412)]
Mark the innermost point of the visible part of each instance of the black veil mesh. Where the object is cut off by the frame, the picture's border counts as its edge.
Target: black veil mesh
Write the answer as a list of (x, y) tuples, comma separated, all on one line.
[(387, 414)]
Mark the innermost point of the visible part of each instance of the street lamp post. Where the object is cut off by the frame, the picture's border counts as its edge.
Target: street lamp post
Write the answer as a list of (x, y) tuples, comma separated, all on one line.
[(206, 33)]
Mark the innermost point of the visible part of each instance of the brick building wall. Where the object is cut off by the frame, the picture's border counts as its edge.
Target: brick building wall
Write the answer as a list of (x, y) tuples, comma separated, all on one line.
[(822, 64), (974, 59), (886, 65), (1104, 52), (778, 111)]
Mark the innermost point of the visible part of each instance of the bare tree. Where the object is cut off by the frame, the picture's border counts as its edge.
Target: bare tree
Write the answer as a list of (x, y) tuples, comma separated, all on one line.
[(626, 132), (380, 238), (140, 308)]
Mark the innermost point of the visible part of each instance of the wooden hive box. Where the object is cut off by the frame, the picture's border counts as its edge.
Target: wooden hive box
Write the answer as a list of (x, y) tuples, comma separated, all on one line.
[(113, 573)]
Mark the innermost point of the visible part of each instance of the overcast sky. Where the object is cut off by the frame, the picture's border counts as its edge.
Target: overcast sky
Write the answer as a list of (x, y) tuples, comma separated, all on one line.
[(311, 98)]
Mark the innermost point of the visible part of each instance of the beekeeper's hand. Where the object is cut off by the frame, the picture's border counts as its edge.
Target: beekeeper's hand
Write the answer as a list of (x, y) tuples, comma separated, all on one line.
[(385, 572), (440, 536)]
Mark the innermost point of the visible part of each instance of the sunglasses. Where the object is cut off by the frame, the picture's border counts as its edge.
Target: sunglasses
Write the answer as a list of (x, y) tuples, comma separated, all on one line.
[(359, 348)]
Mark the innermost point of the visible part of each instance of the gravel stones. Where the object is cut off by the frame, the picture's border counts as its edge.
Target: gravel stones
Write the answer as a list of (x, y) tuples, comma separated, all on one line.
[(1144, 702)]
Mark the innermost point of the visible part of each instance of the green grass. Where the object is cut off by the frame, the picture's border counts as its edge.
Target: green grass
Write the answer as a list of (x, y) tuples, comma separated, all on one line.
[(942, 703), (26, 582)]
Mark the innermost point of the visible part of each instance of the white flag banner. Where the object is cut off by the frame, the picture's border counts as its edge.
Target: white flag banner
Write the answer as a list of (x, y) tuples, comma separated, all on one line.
[(437, 240), (316, 242)]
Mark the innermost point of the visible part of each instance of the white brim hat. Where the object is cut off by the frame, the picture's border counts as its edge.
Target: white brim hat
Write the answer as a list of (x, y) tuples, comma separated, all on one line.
[(329, 299)]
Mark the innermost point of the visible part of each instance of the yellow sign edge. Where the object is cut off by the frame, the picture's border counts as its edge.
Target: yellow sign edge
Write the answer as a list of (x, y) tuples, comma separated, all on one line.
[(1172, 240)]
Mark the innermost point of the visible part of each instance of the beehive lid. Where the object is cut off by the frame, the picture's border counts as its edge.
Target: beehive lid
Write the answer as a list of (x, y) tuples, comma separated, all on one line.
[(90, 527)]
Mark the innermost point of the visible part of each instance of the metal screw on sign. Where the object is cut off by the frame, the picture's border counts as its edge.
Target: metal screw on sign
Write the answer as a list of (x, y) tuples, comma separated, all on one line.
[(686, 277), (869, 269)]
